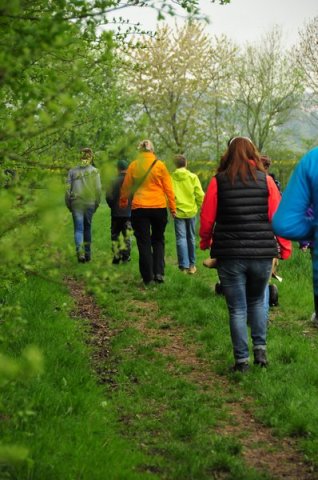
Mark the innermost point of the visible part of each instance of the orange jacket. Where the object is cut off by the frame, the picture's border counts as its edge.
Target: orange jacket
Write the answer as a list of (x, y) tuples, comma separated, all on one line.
[(155, 190)]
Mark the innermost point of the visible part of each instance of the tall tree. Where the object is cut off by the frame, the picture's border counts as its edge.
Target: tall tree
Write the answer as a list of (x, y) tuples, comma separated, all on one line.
[(218, 112), (307, 57), (268, 88), (172, 74)]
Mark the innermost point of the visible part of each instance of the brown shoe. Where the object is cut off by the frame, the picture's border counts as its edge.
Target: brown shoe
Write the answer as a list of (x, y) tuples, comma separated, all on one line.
[(192, 270), (210, 262)]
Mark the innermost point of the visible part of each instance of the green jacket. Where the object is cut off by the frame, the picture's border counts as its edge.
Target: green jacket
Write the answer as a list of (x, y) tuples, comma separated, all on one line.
[(188, 192)]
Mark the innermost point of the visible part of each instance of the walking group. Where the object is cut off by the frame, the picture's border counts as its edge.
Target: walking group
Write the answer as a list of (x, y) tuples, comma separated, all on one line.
[(243, 223)]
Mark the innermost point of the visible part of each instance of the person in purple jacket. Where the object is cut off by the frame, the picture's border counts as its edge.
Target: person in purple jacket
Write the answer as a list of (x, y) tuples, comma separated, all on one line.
[(291, 219)]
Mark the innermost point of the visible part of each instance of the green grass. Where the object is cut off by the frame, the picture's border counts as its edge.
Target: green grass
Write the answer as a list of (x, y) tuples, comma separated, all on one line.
[(286, 393), (62, 416), (156, 423)]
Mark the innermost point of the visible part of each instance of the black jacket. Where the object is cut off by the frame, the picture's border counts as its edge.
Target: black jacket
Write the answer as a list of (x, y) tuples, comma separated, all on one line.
[(112, 198), (242, 228)]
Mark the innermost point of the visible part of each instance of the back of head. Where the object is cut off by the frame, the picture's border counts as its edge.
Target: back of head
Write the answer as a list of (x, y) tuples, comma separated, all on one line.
[(122, 165), (237, 159), (180, 161), (145, 146), (86, 152), (87, 156)]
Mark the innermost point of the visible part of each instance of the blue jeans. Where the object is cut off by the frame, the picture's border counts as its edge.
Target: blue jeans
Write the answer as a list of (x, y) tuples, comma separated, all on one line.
[(185, 237), (266, 303), (244, 281), (82, 220)]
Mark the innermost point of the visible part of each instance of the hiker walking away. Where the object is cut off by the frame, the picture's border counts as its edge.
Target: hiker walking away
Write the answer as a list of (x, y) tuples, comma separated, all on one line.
[(292, 219), (148, 179), (211, 262), (236, 223), (121, 229), (189, 197), (267, 161), (82, 199)]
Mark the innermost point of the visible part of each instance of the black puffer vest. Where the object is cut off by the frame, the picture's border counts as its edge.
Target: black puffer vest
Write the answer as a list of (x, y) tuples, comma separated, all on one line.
[(242, 228)]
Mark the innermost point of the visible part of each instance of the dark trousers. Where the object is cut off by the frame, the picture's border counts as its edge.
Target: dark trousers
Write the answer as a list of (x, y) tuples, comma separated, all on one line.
[(149, 226), (121, 247)]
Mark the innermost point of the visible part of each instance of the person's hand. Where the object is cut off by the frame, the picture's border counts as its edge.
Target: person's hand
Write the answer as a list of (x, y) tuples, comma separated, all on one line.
[(204, 245), (173, 214), (275, 262)]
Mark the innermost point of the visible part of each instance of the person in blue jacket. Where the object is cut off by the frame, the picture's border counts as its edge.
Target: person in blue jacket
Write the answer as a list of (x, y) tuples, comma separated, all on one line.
[(291, 219)]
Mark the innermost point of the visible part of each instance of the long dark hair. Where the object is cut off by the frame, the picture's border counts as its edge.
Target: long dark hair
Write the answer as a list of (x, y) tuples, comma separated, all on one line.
[(236, 160)]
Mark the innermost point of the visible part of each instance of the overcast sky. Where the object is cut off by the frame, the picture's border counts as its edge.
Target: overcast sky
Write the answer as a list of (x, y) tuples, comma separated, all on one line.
[(245, 20), (248, 20)]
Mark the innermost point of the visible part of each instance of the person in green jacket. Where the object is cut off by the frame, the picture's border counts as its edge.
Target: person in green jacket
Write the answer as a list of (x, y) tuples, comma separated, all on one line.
[(189, 197)]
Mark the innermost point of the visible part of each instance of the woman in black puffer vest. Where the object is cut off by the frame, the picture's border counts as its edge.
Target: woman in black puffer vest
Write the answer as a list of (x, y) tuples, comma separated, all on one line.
[(236, 223)]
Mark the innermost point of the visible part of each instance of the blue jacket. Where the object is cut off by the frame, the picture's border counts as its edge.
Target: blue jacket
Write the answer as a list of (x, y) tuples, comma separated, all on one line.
[(291, 219)]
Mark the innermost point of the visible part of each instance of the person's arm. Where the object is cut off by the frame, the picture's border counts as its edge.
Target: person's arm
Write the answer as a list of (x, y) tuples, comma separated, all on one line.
[(208, 215), (126, 187), (290, 220), (274, 199), (98, 189), (109, 197), (198, 192), (110, 193), (168, 189), (67, 196)]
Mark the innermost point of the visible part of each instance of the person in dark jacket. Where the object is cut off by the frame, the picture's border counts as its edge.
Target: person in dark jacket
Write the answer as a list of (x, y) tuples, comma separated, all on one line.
[(82, 199), (236, 224), (267, 163), (121, 230)]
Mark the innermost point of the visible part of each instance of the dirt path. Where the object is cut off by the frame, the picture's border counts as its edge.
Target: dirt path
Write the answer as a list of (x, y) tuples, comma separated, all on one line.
[(261, 449)]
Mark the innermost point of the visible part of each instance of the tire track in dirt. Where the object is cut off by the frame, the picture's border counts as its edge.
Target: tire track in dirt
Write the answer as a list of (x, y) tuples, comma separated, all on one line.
[(261, 449)]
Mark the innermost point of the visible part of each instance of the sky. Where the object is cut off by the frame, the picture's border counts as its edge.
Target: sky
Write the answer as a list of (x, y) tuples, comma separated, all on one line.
[(245, 20)]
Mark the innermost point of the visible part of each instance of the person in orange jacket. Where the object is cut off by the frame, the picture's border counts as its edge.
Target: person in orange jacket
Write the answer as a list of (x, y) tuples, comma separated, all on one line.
[(148, 180), (236, 220)]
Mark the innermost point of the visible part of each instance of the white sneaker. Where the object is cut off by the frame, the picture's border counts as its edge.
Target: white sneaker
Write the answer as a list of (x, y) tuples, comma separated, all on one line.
[(314, 320)]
